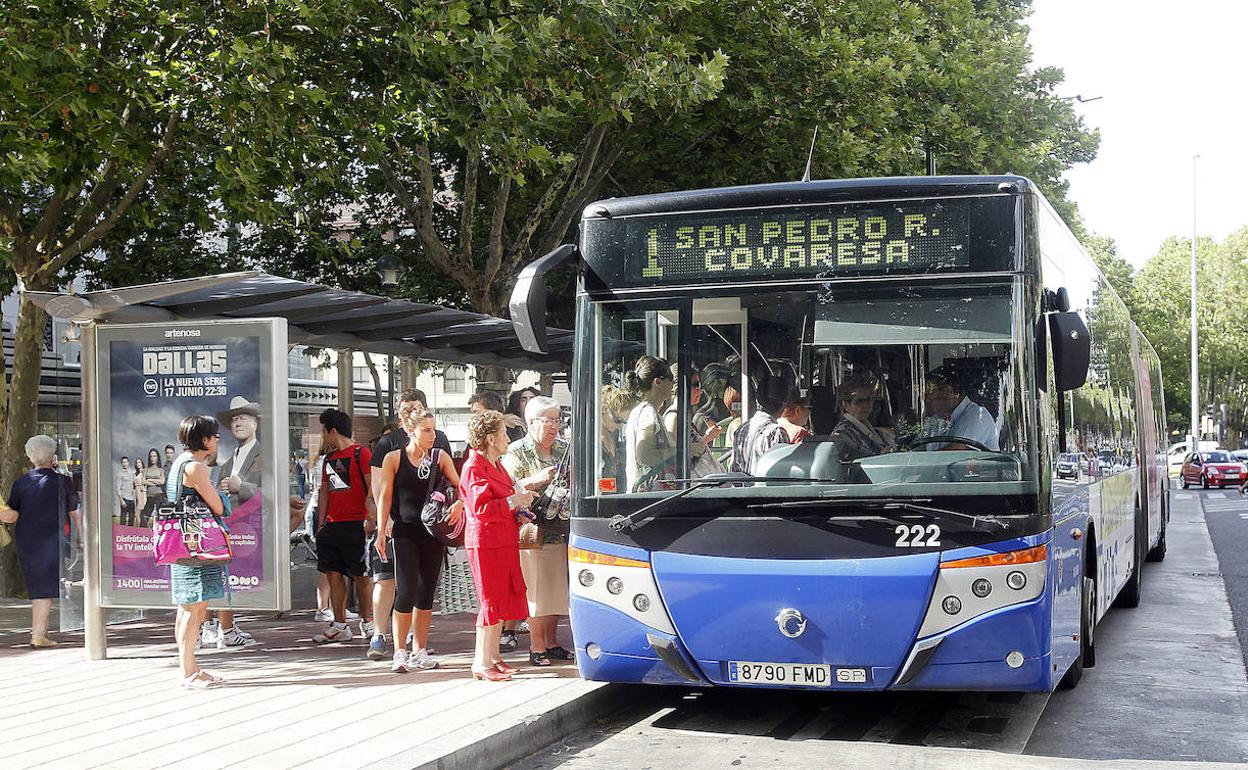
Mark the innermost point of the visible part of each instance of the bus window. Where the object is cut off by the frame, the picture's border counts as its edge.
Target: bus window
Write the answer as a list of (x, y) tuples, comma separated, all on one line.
[(922, 389)]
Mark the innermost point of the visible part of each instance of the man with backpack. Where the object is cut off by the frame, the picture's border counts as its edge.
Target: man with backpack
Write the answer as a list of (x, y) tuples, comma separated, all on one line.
[(346, 517)]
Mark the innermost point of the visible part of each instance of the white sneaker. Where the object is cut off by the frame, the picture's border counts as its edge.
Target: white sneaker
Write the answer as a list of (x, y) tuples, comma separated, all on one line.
[(336, 632), (235, 639), (209, 633), (522, 627), (398, 665), (368, 629), (352, 615), (324, 616), (421, 661)]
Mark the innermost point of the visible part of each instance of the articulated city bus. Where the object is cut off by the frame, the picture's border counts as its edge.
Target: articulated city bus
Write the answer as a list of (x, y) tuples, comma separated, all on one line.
[(958, 325)]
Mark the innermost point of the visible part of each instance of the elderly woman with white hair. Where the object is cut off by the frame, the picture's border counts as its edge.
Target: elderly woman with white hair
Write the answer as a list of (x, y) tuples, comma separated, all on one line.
[(533, 460), (39, 503)]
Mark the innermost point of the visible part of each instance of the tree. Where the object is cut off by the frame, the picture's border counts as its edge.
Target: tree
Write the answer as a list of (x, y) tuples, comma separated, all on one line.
[(1162, 310), (1118, 271), (102, 99)]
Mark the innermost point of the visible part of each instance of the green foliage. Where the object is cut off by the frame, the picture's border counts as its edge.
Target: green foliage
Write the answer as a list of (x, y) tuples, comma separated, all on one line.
[(1162, 310)]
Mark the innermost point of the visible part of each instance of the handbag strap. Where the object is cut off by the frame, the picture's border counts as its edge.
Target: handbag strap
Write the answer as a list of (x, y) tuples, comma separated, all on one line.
[(175, 477), (435, 473)]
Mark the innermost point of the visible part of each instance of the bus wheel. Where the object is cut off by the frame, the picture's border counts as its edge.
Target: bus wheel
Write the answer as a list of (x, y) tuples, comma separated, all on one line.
[(1087, 647)]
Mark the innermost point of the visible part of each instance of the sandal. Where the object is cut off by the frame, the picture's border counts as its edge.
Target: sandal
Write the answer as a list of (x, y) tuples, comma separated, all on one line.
[(200, 680), (538, 659), (558, 653)]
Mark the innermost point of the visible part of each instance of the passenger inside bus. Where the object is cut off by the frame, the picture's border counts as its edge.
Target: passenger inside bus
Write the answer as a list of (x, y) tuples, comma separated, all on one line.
[(762, 432), (854, 434)]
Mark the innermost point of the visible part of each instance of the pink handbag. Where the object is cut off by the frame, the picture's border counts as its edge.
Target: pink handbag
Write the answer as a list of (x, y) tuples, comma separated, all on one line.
[(190, 536), (188, 533)]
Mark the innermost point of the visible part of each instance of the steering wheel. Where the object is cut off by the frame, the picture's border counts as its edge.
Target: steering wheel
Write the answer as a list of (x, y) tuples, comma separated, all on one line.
[(921, 440)]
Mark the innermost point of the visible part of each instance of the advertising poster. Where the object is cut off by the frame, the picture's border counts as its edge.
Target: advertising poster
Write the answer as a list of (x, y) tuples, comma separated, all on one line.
[(154, 376)]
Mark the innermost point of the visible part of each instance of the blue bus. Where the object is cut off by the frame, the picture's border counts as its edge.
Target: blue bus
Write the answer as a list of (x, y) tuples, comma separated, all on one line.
[(816, 430)]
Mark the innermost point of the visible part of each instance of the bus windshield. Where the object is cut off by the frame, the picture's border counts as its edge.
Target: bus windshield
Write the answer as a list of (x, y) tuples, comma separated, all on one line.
[(874, 389)]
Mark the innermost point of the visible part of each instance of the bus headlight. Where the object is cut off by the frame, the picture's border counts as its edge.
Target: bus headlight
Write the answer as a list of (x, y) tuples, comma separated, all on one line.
[(964, 587), (603, 577)]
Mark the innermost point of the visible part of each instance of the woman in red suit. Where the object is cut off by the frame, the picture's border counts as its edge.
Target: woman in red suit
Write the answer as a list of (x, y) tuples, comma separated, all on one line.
[(492, 539)]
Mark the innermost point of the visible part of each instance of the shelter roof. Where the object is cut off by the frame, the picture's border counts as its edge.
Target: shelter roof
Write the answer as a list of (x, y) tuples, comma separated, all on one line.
[(318, 316)]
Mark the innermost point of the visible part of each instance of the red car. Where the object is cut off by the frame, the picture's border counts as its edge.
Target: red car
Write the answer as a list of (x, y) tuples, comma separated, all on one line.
[(1211, 469)]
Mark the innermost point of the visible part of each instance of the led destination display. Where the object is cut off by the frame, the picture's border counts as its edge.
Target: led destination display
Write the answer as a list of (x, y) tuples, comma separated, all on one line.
[(937, 235), (803, 242)]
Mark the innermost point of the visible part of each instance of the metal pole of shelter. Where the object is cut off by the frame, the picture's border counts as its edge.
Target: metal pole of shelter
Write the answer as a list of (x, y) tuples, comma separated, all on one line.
[(1194, 441), (93, 619)]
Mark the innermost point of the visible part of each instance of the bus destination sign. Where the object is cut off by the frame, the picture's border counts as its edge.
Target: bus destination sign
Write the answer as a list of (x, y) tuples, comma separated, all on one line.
[(811, 241)]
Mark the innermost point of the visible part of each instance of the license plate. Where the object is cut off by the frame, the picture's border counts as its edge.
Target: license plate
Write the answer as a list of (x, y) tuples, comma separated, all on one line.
[(1232, 475), (791, 674)]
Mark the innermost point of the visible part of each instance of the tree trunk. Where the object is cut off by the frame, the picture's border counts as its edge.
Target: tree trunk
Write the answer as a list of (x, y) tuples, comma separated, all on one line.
[(24, 390), (22, 408), (382, 411), (496, 378)]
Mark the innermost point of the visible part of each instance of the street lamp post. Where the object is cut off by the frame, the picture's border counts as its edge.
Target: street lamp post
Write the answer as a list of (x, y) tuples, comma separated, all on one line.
[(389, 269), (1194, 440)]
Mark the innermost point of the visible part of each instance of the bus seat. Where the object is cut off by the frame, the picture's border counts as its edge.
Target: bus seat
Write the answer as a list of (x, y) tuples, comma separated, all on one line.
[(809, 459)]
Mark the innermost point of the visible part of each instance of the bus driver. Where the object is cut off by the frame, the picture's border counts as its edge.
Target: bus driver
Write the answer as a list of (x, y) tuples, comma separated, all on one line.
[(948, 403)]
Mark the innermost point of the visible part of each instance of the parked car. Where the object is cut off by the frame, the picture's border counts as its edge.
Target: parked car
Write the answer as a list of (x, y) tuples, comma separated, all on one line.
[(1211, 469), (1068, 466), (1240, 455), (1178, 453)]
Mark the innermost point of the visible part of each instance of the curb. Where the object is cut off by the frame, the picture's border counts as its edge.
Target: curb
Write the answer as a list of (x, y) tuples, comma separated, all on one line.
[(536, 732)]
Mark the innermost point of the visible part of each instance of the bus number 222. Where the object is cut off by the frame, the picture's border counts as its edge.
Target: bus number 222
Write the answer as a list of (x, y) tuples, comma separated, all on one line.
[(917, 536)]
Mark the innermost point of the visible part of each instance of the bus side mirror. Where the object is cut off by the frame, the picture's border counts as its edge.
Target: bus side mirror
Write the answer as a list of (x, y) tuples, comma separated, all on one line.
[(528, 298), (1072, 350)]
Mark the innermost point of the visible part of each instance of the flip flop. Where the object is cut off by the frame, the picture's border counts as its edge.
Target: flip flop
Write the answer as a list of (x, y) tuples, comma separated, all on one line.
[(201, 680)]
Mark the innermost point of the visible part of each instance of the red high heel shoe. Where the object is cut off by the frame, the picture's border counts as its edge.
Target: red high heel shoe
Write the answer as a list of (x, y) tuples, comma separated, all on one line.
[(503, 668), (490, 675)]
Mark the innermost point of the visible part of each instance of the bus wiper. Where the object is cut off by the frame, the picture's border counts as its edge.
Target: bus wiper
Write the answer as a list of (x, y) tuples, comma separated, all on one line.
[(621, 523), (890, 504)]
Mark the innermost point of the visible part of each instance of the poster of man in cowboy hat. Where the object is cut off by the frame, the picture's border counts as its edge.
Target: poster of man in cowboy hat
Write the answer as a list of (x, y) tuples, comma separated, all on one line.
[(241, 471)]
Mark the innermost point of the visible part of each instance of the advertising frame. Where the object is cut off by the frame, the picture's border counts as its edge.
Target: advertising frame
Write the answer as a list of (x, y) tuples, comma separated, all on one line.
[(254, 350)]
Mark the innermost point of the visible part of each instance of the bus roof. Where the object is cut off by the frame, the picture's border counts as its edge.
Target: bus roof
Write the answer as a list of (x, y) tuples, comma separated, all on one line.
[(796, 193)]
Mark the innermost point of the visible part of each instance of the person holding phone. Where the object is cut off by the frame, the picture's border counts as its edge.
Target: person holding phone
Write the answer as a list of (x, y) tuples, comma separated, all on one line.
[(495, 509)]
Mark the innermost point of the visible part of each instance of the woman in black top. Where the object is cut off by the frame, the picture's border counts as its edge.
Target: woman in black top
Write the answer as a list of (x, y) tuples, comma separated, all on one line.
[(418, 557)]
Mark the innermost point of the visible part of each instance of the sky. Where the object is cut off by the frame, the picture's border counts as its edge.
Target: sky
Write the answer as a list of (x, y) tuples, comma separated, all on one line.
[(1172, 81)]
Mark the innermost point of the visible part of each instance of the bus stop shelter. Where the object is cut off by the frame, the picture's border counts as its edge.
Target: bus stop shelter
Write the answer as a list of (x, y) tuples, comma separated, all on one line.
[(314, 316)]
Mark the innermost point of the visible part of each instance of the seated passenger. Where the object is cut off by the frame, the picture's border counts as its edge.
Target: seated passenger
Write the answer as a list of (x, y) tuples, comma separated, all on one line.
[(854, 434), (755, 437), (955, 414)]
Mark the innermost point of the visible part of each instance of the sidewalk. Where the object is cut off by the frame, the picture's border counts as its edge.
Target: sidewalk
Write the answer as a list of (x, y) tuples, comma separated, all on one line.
[(287, 703)]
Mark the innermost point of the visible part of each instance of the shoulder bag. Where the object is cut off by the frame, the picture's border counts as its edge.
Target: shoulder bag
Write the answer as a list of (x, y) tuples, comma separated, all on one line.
[(187, 532), (436, 515)]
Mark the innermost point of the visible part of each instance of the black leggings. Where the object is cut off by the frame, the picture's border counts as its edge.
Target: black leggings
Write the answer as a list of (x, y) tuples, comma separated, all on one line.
[(417, 563)]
